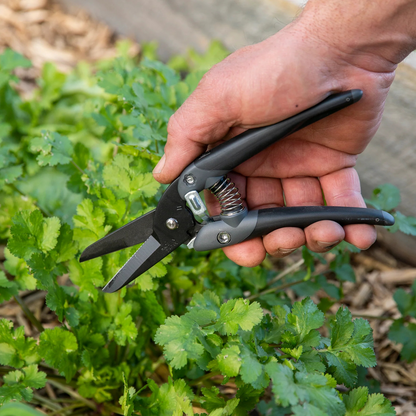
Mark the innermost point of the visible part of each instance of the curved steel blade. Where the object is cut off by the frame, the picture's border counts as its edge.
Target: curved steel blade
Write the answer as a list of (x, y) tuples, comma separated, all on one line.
[(135, 232)]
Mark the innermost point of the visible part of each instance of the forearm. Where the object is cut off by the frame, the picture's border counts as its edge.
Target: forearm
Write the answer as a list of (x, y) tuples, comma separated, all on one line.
[(373, 34)]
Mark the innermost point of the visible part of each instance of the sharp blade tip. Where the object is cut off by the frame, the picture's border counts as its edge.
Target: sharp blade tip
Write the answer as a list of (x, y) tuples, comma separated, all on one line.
[(111, 288)]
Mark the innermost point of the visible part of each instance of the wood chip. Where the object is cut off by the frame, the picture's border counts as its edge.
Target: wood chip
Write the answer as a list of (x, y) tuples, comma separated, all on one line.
[(399, 391), (22, 321), (50, 391), (370, 263), (32, 4), (398, 277), (43, 32), (363, 294)]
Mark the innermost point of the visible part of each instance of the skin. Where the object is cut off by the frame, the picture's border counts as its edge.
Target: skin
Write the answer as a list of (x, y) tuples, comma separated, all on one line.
[(335, 45)]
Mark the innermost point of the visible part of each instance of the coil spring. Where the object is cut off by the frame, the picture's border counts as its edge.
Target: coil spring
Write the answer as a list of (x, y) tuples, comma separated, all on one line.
[(228, 196)]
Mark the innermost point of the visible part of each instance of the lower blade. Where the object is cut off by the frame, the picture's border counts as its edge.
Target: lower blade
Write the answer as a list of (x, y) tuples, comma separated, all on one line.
[(135, 232), (133, 266)]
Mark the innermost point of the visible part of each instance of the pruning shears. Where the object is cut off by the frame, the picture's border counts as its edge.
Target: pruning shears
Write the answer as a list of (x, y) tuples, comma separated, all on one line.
[(181, 217)]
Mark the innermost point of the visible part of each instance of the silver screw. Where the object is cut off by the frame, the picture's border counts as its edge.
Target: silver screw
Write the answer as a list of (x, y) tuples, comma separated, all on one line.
[(172, 223), (190, 179), (223, 237)]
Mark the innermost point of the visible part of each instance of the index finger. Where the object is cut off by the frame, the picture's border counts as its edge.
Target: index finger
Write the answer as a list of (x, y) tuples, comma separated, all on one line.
[(201, 120)]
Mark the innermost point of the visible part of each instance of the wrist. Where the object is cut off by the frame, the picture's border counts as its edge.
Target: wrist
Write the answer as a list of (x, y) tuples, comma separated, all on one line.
[(374, 35)]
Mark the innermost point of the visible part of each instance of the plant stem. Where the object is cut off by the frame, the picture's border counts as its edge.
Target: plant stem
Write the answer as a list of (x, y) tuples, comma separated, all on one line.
[(29, 314), (275, 289), (73, 394), (204, 377), (78, 168), (66, 408), (285, 272), (379, 318), (114, 409), (46, 402)]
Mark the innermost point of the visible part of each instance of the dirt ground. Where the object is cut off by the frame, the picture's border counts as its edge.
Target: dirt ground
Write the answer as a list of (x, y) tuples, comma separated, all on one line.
[(43, 31)]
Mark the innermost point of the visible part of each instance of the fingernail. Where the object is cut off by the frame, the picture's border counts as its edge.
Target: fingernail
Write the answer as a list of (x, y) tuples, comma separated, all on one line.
[(285, 250), (327, 245), (159, 167)]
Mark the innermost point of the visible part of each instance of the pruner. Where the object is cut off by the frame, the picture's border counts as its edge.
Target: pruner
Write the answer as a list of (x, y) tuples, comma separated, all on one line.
[(181, 217)]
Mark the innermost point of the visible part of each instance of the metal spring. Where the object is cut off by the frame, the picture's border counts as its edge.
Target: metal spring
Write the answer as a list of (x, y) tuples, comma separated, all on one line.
[(228, 196)]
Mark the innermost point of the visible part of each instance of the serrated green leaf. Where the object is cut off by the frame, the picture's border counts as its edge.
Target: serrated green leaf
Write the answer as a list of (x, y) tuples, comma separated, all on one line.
[(305, 317), (359, 403), (385, 197), (293, 388), (403, 223), (238, 313), (342, 328), (123, 328), (89, 221), (66, 248), (179, 338), (16, 350), (59, 349), (345, 371), (211, 399), (344, 272), (111, 82), (229, 361), (8, 288), (20, 270), (53, 148), (351, 345), (405, 334), (18, 385), (87, 276), (9, 174), (356, 399), (126, 181), (170, 399), (31, 233), (251, 368), (307, 409)]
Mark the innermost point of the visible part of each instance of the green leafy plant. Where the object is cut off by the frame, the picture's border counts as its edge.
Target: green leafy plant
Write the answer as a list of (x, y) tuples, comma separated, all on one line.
[(75, 163)]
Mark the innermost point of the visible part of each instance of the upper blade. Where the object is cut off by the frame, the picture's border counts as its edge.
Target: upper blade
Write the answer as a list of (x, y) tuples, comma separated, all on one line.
[(135, 232)]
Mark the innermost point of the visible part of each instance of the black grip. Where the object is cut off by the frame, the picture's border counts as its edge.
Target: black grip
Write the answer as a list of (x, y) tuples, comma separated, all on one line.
[(301, 217), (235, 151)]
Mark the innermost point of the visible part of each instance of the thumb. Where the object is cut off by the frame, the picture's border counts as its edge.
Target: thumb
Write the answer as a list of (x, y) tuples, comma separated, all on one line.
[(204, 118)]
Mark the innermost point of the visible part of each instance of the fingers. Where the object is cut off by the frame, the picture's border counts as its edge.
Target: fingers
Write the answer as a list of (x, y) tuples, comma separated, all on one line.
[(248, 254), (318, 237), (342, 188)]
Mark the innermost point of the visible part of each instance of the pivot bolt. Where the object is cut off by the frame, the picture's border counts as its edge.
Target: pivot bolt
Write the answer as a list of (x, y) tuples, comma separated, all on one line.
[(189, 179), (172, 223), (223, 237)]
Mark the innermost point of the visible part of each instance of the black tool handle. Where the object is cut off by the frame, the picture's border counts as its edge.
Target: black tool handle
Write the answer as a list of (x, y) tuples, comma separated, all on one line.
[(271, 219), (219, 233), (235, 151)]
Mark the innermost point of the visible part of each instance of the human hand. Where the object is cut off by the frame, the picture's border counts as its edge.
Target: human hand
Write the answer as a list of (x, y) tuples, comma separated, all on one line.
[(266, 83)]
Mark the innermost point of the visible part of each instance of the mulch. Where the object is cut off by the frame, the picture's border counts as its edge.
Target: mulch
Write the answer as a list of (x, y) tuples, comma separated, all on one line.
[(44, 32)]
